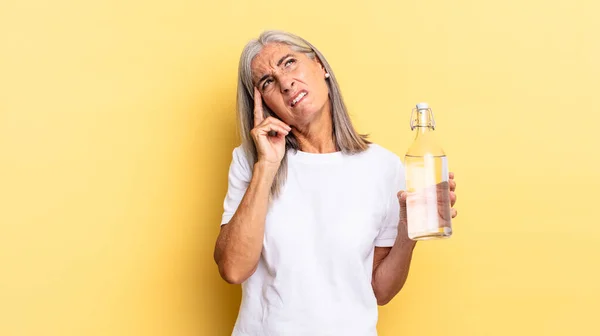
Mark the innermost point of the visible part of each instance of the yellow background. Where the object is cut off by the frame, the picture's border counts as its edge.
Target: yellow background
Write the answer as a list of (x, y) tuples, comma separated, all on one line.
[(116, 130)]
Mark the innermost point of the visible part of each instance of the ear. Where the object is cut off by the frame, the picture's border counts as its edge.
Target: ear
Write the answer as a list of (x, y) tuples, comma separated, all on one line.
[(321, 66), (316, 59)]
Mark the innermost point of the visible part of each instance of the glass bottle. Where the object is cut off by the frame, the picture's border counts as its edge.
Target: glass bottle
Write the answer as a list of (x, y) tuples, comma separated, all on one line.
[(428, 192)]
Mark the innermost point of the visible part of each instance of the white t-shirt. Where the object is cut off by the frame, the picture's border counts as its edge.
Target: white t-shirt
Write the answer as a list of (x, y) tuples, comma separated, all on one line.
[(314, 273)]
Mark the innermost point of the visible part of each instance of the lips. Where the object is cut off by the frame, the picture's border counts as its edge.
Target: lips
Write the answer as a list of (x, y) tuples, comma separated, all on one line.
[(298, 98)]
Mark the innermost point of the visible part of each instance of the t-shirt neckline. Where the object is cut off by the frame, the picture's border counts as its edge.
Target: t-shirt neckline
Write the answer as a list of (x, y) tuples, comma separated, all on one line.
[(316, 158)]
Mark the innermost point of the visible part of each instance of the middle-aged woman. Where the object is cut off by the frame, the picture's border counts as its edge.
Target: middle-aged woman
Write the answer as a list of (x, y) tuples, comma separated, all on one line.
[(314, 226)]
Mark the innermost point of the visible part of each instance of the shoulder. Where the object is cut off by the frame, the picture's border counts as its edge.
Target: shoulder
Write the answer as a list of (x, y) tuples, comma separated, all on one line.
[(383, 156), (385, 163), (389, 167), (240, 153), (240, 160)]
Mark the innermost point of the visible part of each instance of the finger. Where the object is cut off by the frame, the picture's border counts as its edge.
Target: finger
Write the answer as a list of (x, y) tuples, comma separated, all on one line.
[(451, 175), (454, 213), (275, 121), (401, 196), (280, 136), (402, 200), (452, 184), (258, 108), (452, 198), (270, 128)]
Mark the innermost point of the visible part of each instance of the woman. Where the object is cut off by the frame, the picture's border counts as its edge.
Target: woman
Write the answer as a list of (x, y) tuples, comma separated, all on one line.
[(311, 217)]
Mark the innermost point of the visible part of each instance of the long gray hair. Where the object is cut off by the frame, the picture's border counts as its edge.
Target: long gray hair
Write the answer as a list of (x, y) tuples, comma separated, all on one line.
[(345, 136)]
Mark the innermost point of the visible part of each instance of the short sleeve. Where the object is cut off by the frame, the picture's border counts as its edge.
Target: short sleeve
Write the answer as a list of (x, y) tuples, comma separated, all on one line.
[(238, 181), (389, 227)]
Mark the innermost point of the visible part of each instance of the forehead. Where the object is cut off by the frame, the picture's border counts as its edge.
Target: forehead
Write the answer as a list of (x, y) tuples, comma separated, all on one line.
[(267, 58)]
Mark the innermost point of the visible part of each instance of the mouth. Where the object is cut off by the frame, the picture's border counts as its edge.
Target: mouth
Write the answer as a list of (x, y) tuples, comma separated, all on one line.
[(298, 98)]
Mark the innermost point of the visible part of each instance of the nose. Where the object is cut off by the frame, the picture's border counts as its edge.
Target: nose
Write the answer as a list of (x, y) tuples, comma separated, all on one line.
[(287, 83)]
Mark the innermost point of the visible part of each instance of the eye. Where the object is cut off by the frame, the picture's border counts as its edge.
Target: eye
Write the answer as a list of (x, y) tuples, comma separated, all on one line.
[(289, 62), (266, 82)]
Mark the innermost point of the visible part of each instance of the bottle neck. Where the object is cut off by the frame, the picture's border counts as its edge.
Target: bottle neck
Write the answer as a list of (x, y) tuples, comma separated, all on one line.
[(425, 142), (423, 130), (422, 121)]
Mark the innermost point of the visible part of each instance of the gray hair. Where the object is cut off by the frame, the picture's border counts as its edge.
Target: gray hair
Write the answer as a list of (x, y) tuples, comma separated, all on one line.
[(345, 136)]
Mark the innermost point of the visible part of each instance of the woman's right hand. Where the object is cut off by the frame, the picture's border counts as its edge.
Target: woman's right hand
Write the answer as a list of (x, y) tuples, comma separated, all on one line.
[(268, 134)]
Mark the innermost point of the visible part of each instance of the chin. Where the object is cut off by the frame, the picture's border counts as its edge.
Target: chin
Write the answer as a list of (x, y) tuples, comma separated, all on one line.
[(305, 116)]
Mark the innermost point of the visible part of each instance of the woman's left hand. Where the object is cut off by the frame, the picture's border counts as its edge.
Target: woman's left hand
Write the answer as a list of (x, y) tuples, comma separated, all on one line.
[(452, 185), (402, 199)]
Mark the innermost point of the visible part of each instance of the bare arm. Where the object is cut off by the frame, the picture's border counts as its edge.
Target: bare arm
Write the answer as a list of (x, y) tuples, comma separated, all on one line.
[(391, 264), (390, 270), (239, 243)]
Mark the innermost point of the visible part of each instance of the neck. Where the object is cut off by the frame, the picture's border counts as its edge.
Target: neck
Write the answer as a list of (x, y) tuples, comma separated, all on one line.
[(317, 136)]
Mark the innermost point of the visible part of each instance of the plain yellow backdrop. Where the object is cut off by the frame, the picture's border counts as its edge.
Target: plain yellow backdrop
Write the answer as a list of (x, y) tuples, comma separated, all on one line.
[(117, 125)]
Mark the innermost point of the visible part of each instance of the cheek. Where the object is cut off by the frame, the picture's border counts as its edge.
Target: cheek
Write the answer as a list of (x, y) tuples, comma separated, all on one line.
[(275, 104), (322, 89), (316, 78)]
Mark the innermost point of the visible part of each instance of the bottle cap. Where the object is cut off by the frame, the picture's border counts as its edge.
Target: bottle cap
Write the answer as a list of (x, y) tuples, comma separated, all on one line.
[(422, 106)]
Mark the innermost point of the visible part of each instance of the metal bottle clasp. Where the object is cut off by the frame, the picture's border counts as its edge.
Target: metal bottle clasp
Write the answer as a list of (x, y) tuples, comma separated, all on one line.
[(413, 119)]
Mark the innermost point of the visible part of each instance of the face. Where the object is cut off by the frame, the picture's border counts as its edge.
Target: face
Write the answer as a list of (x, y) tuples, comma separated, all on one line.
[(292, 84)]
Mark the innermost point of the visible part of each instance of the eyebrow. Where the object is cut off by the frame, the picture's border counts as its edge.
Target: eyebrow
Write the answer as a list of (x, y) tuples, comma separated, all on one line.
[(278, 64)]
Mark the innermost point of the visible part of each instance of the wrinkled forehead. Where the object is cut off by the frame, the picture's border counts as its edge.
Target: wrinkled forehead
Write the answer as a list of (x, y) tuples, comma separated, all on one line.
[(266, 60)]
